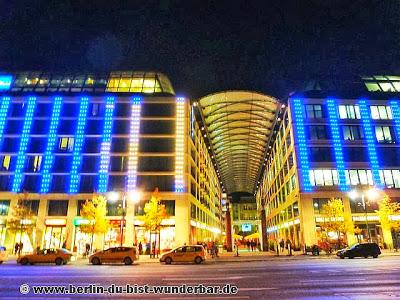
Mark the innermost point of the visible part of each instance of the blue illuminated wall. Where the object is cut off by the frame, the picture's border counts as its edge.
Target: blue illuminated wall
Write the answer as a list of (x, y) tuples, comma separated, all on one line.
[(300, 135), (19, 167), (106, 145), (370, 140), (48, 156), (394, 104), (337, 143), (78, 144)]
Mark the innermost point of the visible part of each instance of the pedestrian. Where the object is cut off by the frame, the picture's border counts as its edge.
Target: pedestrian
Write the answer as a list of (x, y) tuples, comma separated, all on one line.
[(248, 245), (216, 249), (282, 245), (140, 248), (153, 249), (64, 245), (237, 247), (87, 249), (21, 246), (289, 246), (253, 244), (16, 247)]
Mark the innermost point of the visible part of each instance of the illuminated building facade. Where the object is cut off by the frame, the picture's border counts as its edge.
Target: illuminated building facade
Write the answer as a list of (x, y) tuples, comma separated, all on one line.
[(64, 137), (323, 148)]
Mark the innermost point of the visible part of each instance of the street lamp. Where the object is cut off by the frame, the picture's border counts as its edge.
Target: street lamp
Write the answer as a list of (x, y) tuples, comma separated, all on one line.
[(370, 194), (134, 197)]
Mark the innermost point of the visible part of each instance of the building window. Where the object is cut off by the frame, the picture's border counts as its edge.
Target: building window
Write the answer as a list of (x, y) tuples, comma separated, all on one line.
[(318, 204), (381, 112), (114, 208), (57, 208), (169, 207), (391, 178), (317, 132), (359, 177), (352, 132), (324, 177), (318, 154), (383, 134), (314, 111), (355, 154), (349, 112), (33, 206), (34, 163), (4, 207), (5, 165), (66, 144)]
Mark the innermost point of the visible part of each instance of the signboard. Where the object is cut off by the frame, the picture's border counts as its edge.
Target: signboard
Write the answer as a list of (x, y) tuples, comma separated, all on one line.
[(246, 227), (5, 82), (78, 221), (55, 222)]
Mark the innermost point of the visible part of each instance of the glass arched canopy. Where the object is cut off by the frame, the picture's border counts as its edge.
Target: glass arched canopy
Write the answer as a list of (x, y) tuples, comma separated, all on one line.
[(239, 124)]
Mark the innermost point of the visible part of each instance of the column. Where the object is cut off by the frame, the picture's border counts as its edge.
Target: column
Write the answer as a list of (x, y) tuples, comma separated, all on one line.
[(351, 238), (40, 226), (71, 213), (182, 223), (264, 237), (307, 221), (228, 229), (128, 233)]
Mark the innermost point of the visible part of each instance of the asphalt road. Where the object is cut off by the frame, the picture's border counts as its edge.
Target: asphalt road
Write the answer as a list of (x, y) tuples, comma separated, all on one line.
[(274, 278)]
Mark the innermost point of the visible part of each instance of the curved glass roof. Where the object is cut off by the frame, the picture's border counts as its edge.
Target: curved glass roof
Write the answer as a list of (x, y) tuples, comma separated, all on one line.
[(239, 125), (115, 82)]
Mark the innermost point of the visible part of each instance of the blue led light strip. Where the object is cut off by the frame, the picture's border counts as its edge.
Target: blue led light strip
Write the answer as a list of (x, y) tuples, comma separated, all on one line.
[(19, 167), (52, 138), (370, 139), (79, 137), (337, 143), (396, 115), (5, 104), (133, 144), (106, 146), (179, 144), (302, 145)]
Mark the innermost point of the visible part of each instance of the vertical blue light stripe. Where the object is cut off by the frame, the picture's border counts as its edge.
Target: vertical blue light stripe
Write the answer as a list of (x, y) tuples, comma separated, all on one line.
[(337, 143), (396, 116), (302, 145), (106, 145), (370, 139), (5, 104), (79, 138), (19, 167), (133, 144), (52, 138)]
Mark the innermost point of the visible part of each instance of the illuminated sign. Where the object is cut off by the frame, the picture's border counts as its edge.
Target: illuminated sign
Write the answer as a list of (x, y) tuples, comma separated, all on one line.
[(78, 221), (246, 227), (5, 82), (55, 222)]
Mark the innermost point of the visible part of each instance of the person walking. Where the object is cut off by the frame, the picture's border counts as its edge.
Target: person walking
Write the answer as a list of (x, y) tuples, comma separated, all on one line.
[(16, 247), (289, 247), (140, 248), (282, 245), (248, 245), (21, 246)]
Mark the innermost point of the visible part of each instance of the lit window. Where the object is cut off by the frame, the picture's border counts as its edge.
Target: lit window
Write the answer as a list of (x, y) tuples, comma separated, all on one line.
[(349, 112), (383, 134), (313, 111), (381, 112), (357, 177), (66, 143), (6, 162), (37, 161), (324, 177), (352, 133)]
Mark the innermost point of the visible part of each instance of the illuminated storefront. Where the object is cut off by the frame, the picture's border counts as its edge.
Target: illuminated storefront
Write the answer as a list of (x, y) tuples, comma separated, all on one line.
[(55, 233)]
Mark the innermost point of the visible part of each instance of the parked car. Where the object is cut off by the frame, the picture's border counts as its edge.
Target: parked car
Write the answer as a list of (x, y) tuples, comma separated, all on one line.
[(3, 254), (360, 250), (192, 253), (57, 256), (126, 255)]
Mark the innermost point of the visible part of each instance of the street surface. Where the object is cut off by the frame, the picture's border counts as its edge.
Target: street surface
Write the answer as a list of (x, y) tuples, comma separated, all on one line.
[(272, 278)]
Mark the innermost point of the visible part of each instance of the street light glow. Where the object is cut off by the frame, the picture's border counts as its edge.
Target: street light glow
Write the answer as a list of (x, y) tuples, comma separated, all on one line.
[(353, 194), (134, 196)]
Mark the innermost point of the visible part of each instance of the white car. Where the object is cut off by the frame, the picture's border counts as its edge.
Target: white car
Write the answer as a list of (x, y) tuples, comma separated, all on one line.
[(3, 254)]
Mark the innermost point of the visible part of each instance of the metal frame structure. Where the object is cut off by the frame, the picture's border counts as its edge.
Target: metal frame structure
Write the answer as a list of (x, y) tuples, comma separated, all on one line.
[(239, 125)]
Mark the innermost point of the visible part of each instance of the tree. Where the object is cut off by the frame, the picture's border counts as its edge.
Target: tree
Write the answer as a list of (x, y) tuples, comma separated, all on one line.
[(335, 219), (154, 213), (94, 210), (22, 219), (387, 209)]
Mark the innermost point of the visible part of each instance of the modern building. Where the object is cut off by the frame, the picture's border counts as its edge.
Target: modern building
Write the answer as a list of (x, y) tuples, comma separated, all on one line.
[(328, 141), (64, 137), (245, 217)]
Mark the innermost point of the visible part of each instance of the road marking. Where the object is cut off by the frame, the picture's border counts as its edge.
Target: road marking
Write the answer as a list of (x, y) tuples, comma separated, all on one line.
[(207, 278), (330, 280)]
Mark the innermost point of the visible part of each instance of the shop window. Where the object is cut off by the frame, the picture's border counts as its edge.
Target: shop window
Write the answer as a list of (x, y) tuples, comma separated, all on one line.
[(32, 205), (114, 208), (66, 144), (318, 204), (4, 207), (352, 132), (57, 207), (349, 112), (169, 207), (79, 206)]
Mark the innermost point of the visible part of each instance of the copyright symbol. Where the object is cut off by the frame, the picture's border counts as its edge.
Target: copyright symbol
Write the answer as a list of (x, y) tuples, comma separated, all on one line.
[(24, 288)]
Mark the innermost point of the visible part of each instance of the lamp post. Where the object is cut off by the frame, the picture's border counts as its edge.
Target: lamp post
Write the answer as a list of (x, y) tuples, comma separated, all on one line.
[(134, 197), (370, 194)]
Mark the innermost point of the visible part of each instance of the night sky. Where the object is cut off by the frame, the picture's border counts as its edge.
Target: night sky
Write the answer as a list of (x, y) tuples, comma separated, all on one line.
[(205, 46)]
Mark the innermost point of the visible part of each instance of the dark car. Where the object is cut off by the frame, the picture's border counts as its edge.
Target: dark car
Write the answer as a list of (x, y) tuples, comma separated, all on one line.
[(360, 250)]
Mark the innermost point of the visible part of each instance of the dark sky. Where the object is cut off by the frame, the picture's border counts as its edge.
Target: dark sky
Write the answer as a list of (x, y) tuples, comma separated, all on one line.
[(205, 46)]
